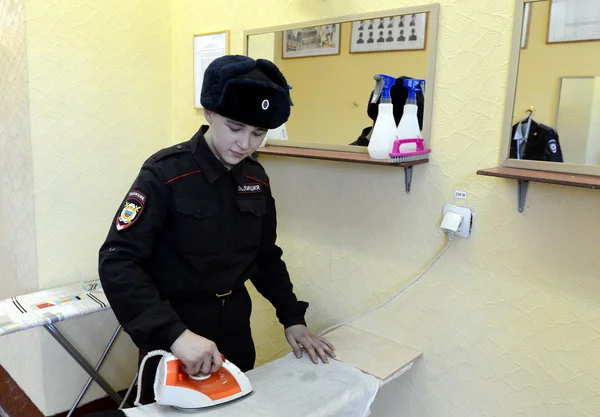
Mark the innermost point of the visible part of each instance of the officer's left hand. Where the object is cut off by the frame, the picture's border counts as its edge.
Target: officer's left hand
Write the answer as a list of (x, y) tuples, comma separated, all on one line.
[(300, 335)]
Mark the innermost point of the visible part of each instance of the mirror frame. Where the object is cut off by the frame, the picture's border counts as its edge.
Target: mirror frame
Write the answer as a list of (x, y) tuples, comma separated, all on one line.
[(432, 42), (511, 93)]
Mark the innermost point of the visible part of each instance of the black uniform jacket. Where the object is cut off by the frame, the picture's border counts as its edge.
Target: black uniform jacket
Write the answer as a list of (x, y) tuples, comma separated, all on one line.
[(542, 144), (187, 229)]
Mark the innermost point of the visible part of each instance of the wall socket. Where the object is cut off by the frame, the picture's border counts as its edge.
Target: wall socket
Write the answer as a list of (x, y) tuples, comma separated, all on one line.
[(467, 223)]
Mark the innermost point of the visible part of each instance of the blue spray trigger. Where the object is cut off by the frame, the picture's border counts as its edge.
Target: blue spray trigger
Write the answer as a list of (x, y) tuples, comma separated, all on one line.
[(413, 85), (383, 84)]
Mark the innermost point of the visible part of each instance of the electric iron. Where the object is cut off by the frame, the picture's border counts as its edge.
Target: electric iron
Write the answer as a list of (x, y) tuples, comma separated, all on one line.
[(175, 388)]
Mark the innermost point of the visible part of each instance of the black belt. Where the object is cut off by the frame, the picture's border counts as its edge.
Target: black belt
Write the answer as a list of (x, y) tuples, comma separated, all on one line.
[(215, 293), (225, 292)]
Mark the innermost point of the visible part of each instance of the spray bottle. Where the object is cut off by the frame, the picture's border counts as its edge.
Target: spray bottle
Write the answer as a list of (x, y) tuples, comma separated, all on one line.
[(384, 130), (408, 127)]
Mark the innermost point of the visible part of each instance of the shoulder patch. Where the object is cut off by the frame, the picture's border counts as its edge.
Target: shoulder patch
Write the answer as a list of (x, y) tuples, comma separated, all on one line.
[(132, 209), (166, 152)]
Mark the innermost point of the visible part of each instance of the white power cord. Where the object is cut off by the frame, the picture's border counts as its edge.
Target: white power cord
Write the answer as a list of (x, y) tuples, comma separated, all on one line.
[(141, 371), (400, 291)]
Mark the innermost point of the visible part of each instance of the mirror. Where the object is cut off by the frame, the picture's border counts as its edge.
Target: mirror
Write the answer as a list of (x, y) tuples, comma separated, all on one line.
[(578, 118), (330, 66), (555, 114)]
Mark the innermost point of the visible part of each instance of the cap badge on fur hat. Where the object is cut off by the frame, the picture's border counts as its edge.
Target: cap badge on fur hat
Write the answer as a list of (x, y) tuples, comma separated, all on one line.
[(265, 104)]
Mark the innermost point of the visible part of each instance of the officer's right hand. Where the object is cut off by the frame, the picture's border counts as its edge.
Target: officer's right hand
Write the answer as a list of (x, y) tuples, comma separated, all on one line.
[(198, 354)]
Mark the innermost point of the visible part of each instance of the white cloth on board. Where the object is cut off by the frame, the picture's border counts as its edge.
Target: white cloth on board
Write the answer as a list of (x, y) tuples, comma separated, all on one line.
[(291, 387)]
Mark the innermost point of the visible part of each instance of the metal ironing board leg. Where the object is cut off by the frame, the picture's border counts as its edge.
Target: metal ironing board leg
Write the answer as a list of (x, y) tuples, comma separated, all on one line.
[(83, 362), (98, 365), (128, 393)]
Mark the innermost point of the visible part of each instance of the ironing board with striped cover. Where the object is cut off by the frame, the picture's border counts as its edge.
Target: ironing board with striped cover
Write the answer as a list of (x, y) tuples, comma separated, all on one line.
[(47, 307)]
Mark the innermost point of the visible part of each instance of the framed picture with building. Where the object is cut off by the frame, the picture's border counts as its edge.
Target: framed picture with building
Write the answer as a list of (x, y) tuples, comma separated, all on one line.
[(311, 41)]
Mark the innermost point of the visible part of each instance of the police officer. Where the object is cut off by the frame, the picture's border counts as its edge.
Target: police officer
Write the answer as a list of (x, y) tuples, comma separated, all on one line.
[(198, 221)]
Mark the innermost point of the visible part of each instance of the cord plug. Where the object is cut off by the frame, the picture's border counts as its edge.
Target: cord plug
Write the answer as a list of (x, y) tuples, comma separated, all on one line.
[(451, 222)]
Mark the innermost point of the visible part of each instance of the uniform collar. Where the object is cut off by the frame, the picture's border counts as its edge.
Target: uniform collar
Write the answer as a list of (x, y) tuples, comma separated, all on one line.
[(211, 166), (239, 173)]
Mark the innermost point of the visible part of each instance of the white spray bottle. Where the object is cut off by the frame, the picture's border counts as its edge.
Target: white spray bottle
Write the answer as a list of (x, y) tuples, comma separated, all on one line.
[(384, 130), (408, 127)]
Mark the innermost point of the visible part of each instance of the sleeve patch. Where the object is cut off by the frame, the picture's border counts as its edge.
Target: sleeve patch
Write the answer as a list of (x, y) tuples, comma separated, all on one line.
[(132, 209)]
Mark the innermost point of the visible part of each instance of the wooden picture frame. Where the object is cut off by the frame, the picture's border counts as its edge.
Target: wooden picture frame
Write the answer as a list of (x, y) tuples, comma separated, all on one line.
[(311, 41), (564, 18), (207, 47)]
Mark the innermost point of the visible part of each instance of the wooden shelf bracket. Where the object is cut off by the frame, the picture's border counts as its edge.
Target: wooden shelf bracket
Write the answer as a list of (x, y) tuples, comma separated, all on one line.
[(525, 176), (408, 171)]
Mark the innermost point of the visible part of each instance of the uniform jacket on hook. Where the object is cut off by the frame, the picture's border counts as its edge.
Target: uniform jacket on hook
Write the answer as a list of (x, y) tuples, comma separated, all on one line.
[(539, 142)]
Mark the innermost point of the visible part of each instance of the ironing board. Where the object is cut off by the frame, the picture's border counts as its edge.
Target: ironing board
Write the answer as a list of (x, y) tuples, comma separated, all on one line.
[(47, 307), (289, 387)]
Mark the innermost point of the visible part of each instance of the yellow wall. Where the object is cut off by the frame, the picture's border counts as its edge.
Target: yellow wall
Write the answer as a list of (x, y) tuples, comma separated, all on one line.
[(17, 236), (18, 265), (100, 97), (343, 83), (507, 320), (100, 102), (541, 66)]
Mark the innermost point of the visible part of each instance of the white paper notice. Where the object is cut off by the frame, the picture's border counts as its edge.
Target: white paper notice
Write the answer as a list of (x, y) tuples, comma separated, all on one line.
[(207, 48)]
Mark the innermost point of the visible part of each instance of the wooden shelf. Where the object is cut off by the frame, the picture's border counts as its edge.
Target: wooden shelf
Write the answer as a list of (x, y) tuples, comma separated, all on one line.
[(341, 156), (361, 158), (572, 180), (524, 176)]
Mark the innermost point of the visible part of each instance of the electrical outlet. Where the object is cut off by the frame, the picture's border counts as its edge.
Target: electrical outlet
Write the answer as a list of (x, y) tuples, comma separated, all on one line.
[(460, 194), (467, 222)]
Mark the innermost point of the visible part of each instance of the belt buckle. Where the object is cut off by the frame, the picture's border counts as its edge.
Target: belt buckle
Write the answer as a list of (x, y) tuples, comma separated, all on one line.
[(224, 294)]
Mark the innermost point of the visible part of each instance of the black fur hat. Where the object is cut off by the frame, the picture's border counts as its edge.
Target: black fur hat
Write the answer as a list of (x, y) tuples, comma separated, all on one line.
[(249, 91)]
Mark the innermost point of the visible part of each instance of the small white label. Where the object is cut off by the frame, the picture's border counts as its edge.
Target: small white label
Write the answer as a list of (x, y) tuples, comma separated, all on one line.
[(460, 194)]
